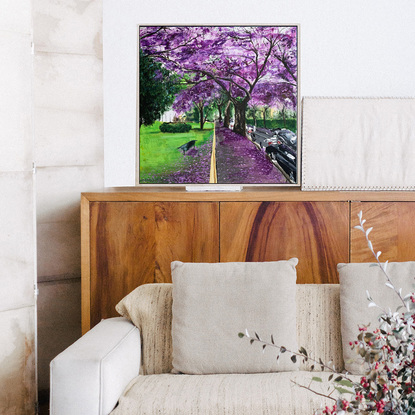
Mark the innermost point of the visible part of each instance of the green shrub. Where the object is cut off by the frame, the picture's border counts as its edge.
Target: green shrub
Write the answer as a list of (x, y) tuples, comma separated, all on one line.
[(290, 123), (175, 127)]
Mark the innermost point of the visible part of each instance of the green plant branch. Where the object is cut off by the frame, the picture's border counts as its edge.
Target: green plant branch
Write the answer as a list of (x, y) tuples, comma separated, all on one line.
[(299, 354), (314, 391), (377, 255)]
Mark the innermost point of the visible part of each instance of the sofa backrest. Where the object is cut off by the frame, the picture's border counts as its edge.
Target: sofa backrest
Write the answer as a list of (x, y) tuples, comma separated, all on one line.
[(318, 325)]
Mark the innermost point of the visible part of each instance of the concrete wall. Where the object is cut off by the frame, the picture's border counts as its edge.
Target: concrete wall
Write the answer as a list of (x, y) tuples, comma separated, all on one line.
[(17, 233), (69, 158), (50, 113)]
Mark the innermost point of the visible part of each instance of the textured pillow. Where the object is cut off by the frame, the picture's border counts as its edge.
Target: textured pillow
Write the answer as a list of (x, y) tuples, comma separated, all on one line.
[(149, 308), (355, 279), (212, 303)]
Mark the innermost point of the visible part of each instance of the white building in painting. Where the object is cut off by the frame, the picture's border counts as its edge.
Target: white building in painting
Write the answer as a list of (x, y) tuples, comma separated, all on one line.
[(168, 116)]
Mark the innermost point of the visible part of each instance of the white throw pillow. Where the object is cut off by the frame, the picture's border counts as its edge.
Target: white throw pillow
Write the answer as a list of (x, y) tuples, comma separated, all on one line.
[(212, 303), (355, 280)]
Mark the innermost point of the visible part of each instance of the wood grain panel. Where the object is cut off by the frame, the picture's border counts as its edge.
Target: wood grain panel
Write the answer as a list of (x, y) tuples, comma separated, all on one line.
[(317, 233), (393, 231), (122, 253), (133, 243), (85, 266), (187, 232), (248, 194)]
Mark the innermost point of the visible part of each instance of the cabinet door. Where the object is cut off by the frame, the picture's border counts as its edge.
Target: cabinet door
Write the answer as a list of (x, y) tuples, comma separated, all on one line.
[(133, 243), (393, 231), (317, 233)]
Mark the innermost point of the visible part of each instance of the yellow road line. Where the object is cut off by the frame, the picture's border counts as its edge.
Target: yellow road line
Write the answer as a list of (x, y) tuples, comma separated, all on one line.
[(213, 176)]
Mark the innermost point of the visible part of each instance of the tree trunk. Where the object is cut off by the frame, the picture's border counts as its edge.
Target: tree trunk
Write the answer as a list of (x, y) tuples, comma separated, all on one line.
[(220, 112), (264, 117), (283, 117), (227, 118), (201, 117), (240, 117)]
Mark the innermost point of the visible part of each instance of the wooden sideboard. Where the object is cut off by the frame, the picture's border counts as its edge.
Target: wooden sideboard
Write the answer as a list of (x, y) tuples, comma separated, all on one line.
[(130, 237)]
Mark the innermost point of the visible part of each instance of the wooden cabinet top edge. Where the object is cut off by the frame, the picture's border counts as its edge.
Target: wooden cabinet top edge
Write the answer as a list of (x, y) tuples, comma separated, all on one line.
[(283, 195)]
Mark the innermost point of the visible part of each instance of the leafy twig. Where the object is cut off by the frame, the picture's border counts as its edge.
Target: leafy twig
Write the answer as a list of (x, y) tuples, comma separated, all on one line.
[(389, 283), (314, 391), (302, 353)]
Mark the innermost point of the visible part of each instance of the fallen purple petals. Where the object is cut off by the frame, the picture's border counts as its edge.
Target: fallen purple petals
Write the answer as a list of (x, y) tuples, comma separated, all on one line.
[(239, 161)]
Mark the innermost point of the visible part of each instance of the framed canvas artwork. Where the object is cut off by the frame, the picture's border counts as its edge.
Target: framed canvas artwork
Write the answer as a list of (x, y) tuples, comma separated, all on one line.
[(218, 104)]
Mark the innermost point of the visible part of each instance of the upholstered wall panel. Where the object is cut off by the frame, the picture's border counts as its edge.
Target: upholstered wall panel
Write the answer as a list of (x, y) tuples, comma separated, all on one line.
[(358, 144)]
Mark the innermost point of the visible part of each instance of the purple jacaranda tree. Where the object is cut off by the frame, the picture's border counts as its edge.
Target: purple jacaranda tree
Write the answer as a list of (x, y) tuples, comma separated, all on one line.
[(236, 58), (280, 95), (287, 99), (200, 96), (252, 111), (219, 101)]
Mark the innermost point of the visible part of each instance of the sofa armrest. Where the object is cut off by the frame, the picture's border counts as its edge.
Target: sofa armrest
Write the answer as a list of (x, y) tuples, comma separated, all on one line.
[(91, 374)]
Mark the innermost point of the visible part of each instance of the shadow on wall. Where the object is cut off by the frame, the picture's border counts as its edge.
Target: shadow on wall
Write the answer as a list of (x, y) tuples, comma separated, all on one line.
[(59, 324)]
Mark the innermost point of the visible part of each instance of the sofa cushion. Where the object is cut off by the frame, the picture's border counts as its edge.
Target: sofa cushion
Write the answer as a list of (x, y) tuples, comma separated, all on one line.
[(212, 303), (149, 308), (318, 323), (318, 311), (355, 280), (223, 394)]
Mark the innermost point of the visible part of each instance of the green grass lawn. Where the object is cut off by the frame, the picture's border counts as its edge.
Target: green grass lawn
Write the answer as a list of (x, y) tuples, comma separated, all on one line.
[(158, 151)]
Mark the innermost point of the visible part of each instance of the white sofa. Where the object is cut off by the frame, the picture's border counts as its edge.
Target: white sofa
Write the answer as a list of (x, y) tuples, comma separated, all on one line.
[(118, 365)]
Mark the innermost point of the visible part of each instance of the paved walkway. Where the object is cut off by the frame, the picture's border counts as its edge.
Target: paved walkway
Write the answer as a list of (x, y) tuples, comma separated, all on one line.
[(239, 161)]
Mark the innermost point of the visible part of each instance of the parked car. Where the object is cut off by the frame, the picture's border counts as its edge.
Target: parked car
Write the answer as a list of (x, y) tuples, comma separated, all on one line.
[(263, 136), (281, 145), (250, 129), (286, 136), (286, 158)]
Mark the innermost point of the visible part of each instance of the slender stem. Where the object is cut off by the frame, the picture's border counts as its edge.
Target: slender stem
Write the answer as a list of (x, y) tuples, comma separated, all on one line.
[(314, 391), (318, 362), (369, 242)]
